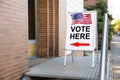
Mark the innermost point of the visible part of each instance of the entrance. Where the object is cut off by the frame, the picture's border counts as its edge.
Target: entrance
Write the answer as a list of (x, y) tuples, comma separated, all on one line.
[(44, 27), (32, 46)]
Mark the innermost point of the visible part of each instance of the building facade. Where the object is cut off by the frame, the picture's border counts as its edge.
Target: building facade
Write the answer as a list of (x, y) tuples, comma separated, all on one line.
[(20, 21), (91, 2), (13, 39), (52, 25), (48, 28)]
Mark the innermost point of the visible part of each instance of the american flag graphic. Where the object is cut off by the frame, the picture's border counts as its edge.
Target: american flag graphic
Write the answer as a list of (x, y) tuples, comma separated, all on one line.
[(80, 18)]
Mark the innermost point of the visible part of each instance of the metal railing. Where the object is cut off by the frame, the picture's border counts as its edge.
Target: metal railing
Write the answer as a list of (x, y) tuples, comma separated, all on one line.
[(104, 71)]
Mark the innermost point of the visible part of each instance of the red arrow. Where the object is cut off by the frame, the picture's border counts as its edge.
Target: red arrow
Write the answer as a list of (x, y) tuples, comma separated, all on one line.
[(77, 44)]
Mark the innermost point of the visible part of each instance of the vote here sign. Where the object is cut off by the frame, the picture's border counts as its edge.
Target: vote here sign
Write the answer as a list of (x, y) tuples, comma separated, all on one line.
[(81, 31)]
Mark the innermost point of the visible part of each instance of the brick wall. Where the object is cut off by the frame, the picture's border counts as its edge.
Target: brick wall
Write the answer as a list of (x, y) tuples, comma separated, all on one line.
[(13, 39), (56, 26), (48, 28), (91, 2)]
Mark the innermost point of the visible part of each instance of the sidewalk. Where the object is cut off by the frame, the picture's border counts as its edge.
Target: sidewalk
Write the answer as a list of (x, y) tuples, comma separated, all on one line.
[(115, 53)]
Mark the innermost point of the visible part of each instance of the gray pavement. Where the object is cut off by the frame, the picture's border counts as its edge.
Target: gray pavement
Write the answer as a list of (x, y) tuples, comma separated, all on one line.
[(115, 53)]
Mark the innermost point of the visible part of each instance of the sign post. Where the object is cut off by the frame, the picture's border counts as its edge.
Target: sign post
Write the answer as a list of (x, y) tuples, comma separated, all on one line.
[(82, 31)]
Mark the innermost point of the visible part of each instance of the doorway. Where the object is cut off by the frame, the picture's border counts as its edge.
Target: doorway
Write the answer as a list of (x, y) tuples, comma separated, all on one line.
[(43, 28), (32, 46)]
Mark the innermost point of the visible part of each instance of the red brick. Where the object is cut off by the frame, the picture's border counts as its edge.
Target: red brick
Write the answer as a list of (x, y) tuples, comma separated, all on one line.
[(14, 39), (91, 2), (48, 23)]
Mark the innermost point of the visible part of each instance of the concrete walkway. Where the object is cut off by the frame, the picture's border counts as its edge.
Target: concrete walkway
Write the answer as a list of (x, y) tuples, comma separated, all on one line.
[(115, 53), (80, 69)]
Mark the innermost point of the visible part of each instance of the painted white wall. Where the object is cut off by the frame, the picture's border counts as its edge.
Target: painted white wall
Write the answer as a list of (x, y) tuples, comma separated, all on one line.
[(74, 5), (66, 6), (62, 26)]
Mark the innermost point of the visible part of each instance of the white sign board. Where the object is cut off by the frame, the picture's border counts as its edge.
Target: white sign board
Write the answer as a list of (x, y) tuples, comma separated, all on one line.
[(81, 31)]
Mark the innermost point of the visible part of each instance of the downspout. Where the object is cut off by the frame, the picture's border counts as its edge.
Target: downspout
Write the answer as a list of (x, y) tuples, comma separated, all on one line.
[(36, 25), (48, 29), (54, 28)]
